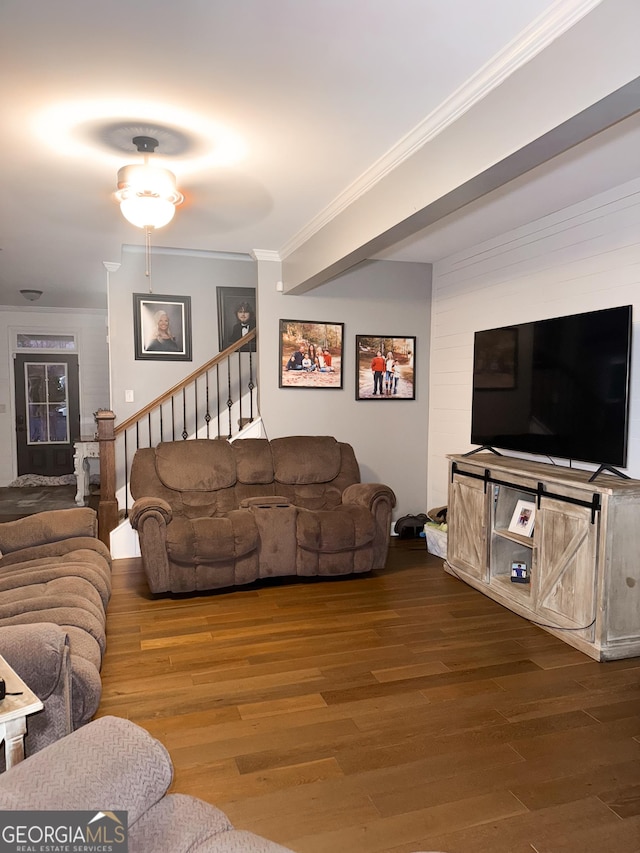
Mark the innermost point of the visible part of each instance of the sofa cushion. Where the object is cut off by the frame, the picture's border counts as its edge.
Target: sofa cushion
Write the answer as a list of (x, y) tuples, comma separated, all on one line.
[(206, 540), (84, 645), (181, 822), (47, 527), (58, 548), (86, 686), (63, 601), (333, 531), (254, 462), (65, 616), (41, 571), (305, 459), (320, 496), (76, 592), (199, 465), (203, 504), (177, 822)]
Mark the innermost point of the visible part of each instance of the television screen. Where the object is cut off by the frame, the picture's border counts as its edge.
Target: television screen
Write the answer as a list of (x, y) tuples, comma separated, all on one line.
[(556, 387)]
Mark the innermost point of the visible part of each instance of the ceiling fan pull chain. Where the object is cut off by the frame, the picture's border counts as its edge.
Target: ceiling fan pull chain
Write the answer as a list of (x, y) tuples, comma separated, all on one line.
[(147, 254)]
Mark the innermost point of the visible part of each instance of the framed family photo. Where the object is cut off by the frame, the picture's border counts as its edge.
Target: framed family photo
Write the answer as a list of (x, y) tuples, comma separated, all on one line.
[(162, 327), (311, 354), (236, 315), (385, 367)]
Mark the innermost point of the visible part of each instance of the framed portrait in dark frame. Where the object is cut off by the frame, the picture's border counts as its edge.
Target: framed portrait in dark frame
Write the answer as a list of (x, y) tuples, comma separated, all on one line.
[(162, 327), (310, 354), (236, 315), (385, 367)]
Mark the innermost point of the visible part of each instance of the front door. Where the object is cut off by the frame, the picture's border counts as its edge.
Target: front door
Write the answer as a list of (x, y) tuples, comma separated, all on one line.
[(47, 413)]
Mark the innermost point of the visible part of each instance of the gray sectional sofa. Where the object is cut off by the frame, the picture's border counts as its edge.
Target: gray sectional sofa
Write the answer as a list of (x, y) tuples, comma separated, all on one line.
[(55, 583)]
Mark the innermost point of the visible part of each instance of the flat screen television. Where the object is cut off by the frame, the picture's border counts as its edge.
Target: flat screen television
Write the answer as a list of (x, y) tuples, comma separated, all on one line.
[(557, 387)]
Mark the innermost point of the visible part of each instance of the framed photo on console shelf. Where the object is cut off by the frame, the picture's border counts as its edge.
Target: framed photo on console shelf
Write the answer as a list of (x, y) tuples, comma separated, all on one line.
[(523, 518)]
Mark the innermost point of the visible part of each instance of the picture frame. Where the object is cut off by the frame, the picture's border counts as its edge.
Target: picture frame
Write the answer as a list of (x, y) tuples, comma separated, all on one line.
[(396, 383), (230, 302), (311, 354), (523, 518), (173, 313), (495, 359)]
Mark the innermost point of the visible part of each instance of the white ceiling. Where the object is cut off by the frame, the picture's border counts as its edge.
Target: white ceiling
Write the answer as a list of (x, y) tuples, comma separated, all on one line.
[(266, 110)]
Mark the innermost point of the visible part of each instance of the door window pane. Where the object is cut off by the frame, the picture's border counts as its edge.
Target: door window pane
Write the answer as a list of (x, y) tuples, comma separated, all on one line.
[(47, 403), (45, 341)]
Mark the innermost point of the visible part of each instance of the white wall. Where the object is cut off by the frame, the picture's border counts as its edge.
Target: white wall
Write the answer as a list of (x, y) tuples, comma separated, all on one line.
[(583, 258), (90, 330), (390, 438)]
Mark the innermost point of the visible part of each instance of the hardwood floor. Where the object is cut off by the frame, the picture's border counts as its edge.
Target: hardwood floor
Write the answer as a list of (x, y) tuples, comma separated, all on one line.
[(395, 712)]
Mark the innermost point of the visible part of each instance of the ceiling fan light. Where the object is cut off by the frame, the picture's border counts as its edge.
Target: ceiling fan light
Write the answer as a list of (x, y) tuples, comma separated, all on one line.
[(148, 179), (147, 195), (147, 211)]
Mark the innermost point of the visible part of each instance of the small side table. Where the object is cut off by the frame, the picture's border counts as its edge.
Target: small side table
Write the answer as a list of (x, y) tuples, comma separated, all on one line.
[(84, 449), (14, 711)]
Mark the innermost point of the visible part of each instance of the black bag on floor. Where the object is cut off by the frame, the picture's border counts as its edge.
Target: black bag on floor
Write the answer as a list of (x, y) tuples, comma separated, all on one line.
[(410, 526)]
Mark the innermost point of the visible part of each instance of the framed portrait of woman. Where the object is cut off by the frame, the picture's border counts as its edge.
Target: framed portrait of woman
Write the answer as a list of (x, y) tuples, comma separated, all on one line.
[(162, 327)]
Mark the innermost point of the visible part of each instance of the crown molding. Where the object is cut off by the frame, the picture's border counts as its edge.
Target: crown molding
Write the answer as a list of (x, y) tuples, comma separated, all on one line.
[(545, 29), (43, 309), (266, 255), (134, 248)]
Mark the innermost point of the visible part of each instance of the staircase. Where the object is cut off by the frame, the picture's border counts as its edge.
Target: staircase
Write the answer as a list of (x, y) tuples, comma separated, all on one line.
[(218, 400)]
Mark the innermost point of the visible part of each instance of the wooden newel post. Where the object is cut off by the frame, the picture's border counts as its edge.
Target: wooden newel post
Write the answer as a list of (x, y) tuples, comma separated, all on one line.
[(108, 506)]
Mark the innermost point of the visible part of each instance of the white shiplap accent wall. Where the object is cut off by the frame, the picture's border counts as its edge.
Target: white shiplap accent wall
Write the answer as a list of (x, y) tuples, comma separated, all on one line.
[(582, 258)]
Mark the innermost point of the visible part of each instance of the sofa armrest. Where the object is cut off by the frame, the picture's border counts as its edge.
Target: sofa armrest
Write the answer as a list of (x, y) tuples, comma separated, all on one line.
[(150, 517), (50, 526), (86, 690), (380, 501), (144, 506), (40, 655), (111, 764), (368, 495)]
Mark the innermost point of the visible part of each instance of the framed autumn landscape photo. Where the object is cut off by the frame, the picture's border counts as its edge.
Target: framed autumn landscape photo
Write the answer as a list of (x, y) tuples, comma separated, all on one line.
[(385, 367), (310, 354)]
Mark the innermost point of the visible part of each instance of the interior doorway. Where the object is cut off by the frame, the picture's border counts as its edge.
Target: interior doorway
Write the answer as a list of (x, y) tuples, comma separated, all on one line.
[(47, 412)]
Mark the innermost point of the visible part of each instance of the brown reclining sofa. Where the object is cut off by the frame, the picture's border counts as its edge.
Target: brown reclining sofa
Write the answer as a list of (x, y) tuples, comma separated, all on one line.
[(213, 514)]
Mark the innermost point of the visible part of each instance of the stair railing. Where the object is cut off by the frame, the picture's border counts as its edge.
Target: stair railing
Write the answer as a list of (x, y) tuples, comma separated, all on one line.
[(215, 401)]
